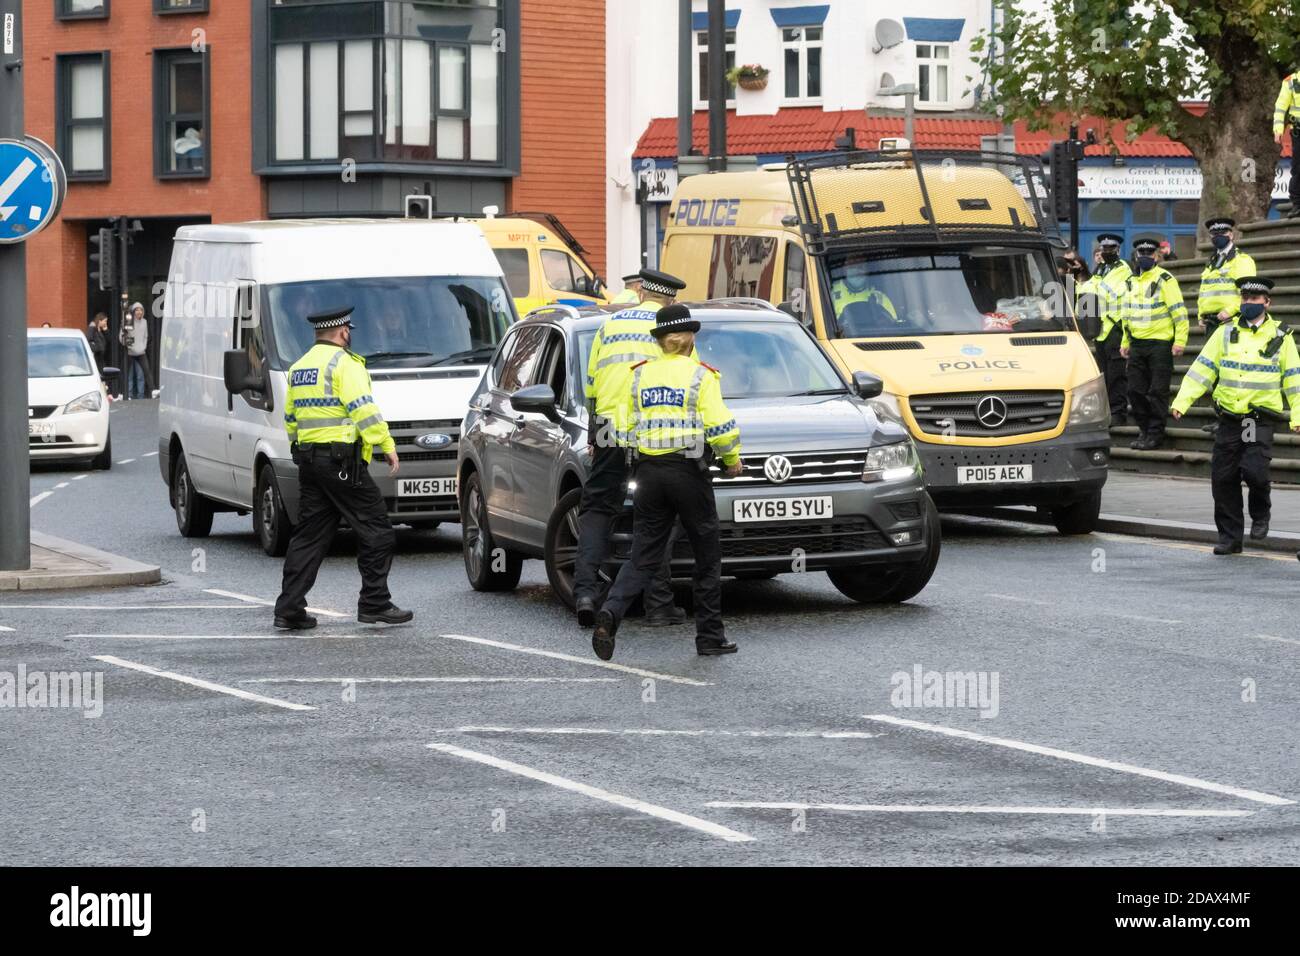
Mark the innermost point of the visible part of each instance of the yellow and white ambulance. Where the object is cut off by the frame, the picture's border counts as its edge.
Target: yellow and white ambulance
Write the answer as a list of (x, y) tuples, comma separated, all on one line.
[(542, 261), (935, 272)]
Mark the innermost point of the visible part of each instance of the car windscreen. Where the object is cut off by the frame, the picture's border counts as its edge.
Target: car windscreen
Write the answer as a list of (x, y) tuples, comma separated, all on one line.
[(974, 290), (57, 358), (400, 322)]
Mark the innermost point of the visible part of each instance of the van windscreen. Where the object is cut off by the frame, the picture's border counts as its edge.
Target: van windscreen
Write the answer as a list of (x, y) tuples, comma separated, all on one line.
[(400, 322), (946, 292)]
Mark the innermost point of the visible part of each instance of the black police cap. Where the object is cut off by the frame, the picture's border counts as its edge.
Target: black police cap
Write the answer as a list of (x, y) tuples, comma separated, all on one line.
[(331, 319), (661, 283), (1110, 239), (1220, 224), (1254, 285), (1146, 246), (674, 318)]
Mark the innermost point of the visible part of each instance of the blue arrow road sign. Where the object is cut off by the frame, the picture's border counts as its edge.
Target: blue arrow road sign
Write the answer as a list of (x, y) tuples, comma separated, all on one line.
[(32, 187)]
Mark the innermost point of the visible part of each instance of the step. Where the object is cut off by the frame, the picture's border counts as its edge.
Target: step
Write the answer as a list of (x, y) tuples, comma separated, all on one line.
[(1281, 439)]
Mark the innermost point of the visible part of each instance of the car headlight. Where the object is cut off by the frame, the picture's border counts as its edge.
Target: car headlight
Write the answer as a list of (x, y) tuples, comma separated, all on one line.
[(90, 402), (890, 462), (1089, 404), (887, 407)]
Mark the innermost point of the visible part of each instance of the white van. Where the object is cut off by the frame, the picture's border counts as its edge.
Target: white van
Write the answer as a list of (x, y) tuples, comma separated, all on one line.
[(431, 307)]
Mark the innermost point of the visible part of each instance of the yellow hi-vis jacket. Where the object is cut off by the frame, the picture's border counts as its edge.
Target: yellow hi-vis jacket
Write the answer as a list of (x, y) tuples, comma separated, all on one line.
[(842, 295), (329, 400), (1219, 283), (1243, 377), (674, 404), (623, 340), (1287, 108), (1108, 284), (1152, 308)]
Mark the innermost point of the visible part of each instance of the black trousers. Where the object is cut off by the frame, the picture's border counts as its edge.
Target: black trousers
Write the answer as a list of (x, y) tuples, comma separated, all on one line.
[(669, 487), (1114, 368), (324, 499), (1150, 367), (602, 503), (1243, 447)]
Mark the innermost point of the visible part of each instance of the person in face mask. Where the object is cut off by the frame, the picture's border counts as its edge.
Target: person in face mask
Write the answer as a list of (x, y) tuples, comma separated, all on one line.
[(1109, 282), (1155, 331), (855, 286), (1253, 366), (1217, 300)]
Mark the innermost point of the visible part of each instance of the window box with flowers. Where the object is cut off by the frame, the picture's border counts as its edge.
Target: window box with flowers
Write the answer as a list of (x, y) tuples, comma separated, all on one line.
[(751, 76)]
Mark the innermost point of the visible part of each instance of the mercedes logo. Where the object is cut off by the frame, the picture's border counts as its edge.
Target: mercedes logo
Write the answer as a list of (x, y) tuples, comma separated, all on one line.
[(777, 468), (991, 411), (433, 441)]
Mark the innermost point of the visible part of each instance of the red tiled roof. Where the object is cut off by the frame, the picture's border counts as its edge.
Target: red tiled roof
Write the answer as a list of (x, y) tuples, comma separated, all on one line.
[(808, 129)]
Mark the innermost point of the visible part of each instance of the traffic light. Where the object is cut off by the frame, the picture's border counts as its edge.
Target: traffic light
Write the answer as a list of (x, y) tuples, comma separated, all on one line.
[(1063, 180), (103, 260)]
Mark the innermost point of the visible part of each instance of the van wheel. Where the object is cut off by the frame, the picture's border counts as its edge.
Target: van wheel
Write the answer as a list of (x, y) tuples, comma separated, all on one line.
[(193, 511), (561, 549), (104, 460), (1080, 517), (270, 520), (876, 584), (488, 567)]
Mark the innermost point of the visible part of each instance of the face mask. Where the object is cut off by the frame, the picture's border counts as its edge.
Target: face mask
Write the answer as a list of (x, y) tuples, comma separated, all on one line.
[(1221, 242), (1250, 311), (1107, 256), (1146, 263), (347, 340)]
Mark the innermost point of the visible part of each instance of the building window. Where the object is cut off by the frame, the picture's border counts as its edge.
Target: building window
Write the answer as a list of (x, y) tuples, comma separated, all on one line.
[(702, 65), (932, 73), (82, 132), (420, 84), (180, 6), (80, 9), (1105, 212), (802, 47), (180, 107)]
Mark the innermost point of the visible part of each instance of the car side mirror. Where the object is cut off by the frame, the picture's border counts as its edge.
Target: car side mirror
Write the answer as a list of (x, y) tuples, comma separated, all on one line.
[(108, 373), (239, 374), (867, 385), (536, 398)]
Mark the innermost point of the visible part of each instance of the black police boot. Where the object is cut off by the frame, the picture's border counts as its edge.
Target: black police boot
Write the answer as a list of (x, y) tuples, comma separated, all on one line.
[(602, 638), (1259, 529), (586, 609), (1227, 546), (389, 615), (714, 647), (303, 622), (1139, 443), (666, 618)]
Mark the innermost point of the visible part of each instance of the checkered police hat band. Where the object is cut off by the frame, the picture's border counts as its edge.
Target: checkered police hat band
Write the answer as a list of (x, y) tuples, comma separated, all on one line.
[(674, 323), (332, 323), (1254, 288), (649, 285)]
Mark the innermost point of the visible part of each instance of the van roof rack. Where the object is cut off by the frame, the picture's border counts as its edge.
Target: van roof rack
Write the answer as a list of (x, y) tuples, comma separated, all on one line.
[(839, 211), (739, 300)]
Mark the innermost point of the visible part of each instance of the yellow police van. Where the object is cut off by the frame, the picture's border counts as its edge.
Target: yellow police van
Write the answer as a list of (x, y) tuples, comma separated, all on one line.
[(543, 263), (934, 271)]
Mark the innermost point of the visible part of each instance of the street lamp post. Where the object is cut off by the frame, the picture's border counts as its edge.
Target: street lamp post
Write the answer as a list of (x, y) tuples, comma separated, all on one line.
[(908, 92)]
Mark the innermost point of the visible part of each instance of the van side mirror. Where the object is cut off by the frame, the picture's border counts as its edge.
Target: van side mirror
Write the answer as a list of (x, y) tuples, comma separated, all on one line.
[(239, 374), (867, 385), (536, 398)]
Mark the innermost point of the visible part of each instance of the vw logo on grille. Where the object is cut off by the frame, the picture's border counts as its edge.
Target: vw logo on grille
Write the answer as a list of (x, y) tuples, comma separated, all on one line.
[(777, 468), (991, 411), (433, 441)]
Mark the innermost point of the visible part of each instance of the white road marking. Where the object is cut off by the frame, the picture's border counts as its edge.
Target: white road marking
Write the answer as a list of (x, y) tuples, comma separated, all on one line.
[(150, 454), (79, 477), (7, 629), (923, 808), (628, 803), (1186, 781), (127, 607), (1022, 600), (248, 598), (432, 680), (1283, 640), (287, 636), (1141, 617), (61, 484), (39, 498), (126, 461), (658, 732), (556, 655), (204, 684)]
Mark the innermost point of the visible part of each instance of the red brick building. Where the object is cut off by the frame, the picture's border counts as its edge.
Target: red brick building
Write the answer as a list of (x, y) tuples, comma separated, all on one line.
[(168, 112)]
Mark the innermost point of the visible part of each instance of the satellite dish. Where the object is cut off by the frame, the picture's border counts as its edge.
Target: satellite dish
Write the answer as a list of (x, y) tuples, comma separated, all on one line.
[(886, 81), (889, 33)]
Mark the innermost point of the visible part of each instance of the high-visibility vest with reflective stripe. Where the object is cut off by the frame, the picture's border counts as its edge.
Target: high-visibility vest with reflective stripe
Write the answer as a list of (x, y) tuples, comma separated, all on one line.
[(674, 404), (1153, 308), (623, 340), (329, 400), (1287, 108), (1219, 283), (842, 296), (1109, 285), (1243, 377)]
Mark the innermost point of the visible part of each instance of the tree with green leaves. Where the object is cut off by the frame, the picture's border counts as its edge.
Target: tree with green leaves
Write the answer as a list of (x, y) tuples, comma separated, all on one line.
[(1138, 63)]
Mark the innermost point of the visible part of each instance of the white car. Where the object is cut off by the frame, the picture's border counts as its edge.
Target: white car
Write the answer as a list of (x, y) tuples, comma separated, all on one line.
[(67, 403)]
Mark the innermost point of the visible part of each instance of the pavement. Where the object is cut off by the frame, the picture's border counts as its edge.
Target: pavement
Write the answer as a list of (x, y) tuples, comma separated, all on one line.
[(56, 563), (1131, 701)]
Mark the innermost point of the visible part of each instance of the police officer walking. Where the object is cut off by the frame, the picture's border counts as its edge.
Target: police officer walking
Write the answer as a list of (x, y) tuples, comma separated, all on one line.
[(1286, 111), (1155, 330), (1108, 284), (1217, 300), (1252, 364), (333, 424), (623, 340), (675, 410)]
